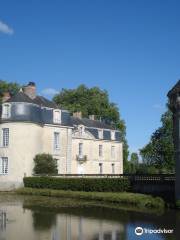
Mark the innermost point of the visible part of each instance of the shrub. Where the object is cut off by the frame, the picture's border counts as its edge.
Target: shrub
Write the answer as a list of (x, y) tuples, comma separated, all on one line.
[(79, 184), (45, 164)]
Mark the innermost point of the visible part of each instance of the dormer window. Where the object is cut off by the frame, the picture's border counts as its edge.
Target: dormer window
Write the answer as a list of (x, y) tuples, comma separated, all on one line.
[(100, 133), (81, 130), (112, 135), (6, 111), (57, 116)]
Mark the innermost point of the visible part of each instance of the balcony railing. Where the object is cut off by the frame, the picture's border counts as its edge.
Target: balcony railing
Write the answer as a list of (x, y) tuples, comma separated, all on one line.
[(82, 158)]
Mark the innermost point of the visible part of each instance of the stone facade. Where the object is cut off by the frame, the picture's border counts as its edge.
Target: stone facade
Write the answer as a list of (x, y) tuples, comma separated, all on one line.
[(29, 126)]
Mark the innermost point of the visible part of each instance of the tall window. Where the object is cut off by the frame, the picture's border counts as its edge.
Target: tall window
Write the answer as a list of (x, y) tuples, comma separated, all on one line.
[(5, 137), (57, 116), (81, 149), (56, 140), (100, 150), (113, 168), (113, 151), (6, 111), (4, 165), (100, 168)]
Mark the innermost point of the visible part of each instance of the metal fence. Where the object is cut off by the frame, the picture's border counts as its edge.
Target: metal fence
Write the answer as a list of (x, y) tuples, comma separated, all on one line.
[(131, 177)]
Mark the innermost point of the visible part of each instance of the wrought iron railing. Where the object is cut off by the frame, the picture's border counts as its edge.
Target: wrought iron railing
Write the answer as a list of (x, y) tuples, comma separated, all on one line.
[(131, 177)]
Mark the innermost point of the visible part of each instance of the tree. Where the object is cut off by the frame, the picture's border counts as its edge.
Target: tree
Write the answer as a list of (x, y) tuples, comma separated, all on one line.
[(11, 87), (45, 164), (159, 152), (94, 101), (133, 164), (134, 158)]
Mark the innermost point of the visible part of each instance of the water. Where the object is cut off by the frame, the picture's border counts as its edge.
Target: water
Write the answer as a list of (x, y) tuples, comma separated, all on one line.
[(26, 218)]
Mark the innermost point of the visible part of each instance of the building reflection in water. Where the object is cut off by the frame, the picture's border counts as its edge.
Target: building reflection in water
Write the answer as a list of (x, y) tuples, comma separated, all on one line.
[(38, 225), (3, 220), (71, 227)]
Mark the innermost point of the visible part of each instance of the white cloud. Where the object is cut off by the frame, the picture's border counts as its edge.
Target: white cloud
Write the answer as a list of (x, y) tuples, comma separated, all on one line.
[(49, 92), (4, 28)]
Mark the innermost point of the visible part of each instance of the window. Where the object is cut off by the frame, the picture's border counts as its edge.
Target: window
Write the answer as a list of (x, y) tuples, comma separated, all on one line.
[(5, 137), (6, 111), (113, 168), (81, 130), (113, 151), (4, 165), (100, 133), (112, 135), (100, 150), (100, 168), (57, 116), (80, 149), (56, 141)]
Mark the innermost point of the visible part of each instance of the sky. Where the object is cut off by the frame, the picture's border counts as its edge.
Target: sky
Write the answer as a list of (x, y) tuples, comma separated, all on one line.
[(130, 48)]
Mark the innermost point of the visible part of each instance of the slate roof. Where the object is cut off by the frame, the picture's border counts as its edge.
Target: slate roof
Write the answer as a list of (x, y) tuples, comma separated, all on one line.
[(20, 97), (90, 123), (39, 100), (44, 102)]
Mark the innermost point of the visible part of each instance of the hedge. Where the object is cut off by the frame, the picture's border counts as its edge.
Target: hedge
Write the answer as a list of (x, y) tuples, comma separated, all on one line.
[(79, 184)]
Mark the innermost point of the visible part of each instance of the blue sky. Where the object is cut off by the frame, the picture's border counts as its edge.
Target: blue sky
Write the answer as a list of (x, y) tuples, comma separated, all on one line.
[(130, 48)]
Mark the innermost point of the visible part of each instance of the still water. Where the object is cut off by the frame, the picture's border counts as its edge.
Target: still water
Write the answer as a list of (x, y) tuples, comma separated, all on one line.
[(22, 218)]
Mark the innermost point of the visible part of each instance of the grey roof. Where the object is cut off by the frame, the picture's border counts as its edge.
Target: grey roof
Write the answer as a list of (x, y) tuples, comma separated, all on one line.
[(44, 102), (39, 100), (20, 97), (90, 123)]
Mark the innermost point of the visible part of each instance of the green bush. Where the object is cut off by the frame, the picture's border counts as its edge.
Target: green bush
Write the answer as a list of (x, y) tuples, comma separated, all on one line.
[(45, 164), (79, 184)]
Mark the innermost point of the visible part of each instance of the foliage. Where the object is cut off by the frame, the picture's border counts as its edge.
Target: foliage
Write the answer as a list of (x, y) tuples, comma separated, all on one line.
[(134, 158), (78, 184), (144, 169), (93, 101), (45, 164), (12, 88), (159, 152), (141, 201), (133, 164)]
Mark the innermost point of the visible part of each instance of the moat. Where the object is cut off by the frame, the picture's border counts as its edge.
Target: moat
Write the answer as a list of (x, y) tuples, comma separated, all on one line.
[(30, 218)]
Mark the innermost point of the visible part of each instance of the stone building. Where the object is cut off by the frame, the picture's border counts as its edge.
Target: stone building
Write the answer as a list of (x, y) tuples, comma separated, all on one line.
[(31, 124)]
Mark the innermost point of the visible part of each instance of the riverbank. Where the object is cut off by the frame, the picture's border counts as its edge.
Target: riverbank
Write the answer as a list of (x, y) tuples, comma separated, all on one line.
[(135, 200)]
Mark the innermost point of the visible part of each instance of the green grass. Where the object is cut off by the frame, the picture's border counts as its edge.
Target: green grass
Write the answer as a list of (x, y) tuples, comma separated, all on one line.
[(141, 201)]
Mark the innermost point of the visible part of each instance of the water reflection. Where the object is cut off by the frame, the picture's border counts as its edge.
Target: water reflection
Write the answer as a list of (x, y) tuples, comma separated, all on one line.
[(27, 224), (72, 227), (36, 223), (3, 220)]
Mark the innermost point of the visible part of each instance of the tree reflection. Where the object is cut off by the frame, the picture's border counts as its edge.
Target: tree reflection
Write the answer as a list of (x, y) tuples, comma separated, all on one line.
[(43, 220)]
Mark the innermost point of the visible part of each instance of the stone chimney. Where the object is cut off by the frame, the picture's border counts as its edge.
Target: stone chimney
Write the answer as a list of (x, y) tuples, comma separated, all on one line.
[(30, 90), (92, 117), (6, 96), (77, 114)]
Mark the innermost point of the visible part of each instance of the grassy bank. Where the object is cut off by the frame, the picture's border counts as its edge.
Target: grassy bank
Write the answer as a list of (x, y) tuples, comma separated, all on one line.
[(140, 201)]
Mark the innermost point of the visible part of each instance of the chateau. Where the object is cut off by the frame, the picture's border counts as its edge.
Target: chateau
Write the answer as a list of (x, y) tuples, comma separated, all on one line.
[(31, 124)]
